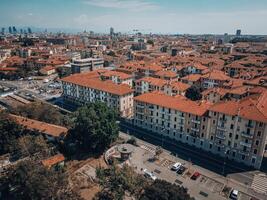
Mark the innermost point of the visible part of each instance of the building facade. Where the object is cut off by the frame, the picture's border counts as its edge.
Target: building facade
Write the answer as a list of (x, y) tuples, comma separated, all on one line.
[(232, 129)]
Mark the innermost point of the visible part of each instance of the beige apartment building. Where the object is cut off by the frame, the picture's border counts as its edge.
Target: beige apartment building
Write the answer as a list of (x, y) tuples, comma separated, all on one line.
[(233, 129), (85, 88)]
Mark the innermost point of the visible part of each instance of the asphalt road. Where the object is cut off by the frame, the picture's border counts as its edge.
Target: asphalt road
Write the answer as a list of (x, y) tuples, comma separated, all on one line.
[(186, 152)]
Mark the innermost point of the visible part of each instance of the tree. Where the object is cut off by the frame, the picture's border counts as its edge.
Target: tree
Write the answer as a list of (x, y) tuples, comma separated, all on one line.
[(9, 132), (30, 180), (163, 190), (95, 127), (43, 112), (193, 93), (29, 145), (116, 181)]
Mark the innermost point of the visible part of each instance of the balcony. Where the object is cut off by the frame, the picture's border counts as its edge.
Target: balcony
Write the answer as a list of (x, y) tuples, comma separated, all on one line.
[(140, 106), (246, 144), (195, 129), (249, 125), (222, 119), (220, 127), (195, 121), (246, 153), (244, 134), (222, 137), (181, 116)]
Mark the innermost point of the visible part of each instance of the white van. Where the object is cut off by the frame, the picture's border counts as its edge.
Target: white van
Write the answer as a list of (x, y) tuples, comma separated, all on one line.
[(149, 174), (234, 195)]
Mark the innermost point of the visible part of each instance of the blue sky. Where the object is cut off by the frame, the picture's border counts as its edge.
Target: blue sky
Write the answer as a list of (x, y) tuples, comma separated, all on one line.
[(157, 16)]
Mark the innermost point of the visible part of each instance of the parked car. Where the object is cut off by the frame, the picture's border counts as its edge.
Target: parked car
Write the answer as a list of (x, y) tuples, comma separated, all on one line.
[(195, 176), (176, 166), (234, 195), (149, 174), (181, 170)]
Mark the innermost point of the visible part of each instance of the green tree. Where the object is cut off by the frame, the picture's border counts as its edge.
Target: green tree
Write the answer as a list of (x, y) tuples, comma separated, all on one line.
[(163, 190), (9, 132), (43, 112), (95, 127), (193, 93), (116, 181), (30, 145), (30, 180)]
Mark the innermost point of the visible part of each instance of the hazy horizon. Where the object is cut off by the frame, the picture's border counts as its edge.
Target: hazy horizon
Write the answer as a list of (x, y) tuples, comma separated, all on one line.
[(158, 16)]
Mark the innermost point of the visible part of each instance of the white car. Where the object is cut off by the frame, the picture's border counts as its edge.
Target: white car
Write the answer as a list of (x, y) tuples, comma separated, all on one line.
[(149, 174), (234, 195), (176, 166)]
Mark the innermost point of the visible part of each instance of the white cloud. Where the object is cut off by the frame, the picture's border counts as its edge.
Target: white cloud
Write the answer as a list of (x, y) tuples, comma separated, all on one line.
[(133, 5)]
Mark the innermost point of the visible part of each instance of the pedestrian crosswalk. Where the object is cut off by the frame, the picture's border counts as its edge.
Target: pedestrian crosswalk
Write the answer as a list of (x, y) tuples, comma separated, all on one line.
[(259, 183), (148, 148)]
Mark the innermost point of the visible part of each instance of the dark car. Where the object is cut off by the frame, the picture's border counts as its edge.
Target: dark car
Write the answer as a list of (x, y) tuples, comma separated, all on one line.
[(181, 170), (195, 176)]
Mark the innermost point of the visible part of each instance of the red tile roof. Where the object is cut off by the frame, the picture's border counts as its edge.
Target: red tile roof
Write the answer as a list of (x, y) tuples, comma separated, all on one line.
[(178, 103), (43, 127), (49, 162), (89, 80)]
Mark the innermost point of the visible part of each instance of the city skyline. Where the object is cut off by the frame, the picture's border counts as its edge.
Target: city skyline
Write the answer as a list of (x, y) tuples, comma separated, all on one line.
[(192, 17)]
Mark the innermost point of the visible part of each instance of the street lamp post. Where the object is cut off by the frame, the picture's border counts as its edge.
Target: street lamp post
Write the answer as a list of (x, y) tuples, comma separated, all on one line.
[(224, 161)]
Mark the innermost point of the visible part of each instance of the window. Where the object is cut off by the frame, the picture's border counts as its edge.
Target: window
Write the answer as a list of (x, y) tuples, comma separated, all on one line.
[(253, 160), (233, 154), (202, 134), (210, 146), (186, 137), (201, 143), (260, 124), (257, 142), (174, 126), (259, 133), (180, 135), (219, 149), (232, 126), (230, 135), (233, 117), (214, 114), (243, 157), (213, 122), (175, 119), (255, 151), (211, 137), (229, 143), (194, 140), (203, 127), (236, 137)]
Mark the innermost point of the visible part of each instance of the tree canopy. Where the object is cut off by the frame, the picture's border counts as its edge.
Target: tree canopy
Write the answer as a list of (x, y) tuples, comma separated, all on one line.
[(115, 182), (43, 112), (163, 190), (193, 93), (94, 128), (30, 180), (9, 132)]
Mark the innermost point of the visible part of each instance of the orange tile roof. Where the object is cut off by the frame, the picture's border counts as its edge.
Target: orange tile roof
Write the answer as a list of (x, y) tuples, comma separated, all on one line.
[(121, 75), (43, 127), (49, 162), (216, 75), (179, 85), (177, 103), (153, 81), (248, 108), (192, 77), (86, 80), (164, 73), (48, 68)]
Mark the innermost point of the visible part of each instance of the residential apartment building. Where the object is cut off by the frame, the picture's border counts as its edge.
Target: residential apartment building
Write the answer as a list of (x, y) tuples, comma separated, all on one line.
[(233, 129), (87, 64), (118, 77), (87, 87)]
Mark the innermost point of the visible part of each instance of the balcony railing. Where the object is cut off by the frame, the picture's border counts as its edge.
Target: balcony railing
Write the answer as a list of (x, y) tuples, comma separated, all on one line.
[(246, 144), (195, 129), (244, 134), (222, 137), (249, 125), (195, 121)]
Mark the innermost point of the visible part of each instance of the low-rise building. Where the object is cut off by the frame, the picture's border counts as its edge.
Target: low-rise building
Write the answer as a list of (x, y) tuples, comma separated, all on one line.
[(86, 87), (87, 64)]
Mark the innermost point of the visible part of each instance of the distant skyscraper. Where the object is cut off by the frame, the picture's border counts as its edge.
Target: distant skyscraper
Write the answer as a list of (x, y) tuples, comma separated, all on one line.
[(14, 29), (238, 32), (21, 31), (111, 31), (29, 30), (10, 30), (3, 31)]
